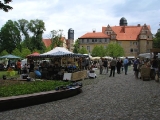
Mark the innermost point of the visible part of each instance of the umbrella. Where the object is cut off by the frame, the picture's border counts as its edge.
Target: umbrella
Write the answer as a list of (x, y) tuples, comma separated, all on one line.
[(34, 54), (9, 56)]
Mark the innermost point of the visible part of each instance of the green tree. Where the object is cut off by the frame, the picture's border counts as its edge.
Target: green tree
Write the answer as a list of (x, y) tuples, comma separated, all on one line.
[(56, 38), (4, 52), (22, 25), (156, 40), (4, 5), (114, 50), (98, 51), (48, 49), (76, 46), (10, 37), (37, 27), (83, 50), (17, 52), (25, 52)]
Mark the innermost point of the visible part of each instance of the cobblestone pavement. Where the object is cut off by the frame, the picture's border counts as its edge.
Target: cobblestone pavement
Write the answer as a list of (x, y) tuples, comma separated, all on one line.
[(105, 98)]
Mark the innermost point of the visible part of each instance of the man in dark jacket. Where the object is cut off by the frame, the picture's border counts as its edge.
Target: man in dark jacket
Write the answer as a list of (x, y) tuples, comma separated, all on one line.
[(113, 66)]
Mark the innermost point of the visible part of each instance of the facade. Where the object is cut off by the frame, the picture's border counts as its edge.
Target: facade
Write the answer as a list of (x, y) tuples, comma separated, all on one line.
[(134, 39)]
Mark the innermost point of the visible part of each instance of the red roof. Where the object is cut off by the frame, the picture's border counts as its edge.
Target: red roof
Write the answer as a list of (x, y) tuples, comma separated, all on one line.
[(126, 32), (95, 35), (47, 42), (34, 54)]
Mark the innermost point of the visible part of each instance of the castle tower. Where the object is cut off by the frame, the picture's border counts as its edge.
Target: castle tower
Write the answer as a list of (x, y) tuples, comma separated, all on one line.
[(70, 41), (123, 22)]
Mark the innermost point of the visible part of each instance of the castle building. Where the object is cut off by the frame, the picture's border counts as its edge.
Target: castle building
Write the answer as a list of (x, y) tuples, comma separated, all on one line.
[(133, 39)]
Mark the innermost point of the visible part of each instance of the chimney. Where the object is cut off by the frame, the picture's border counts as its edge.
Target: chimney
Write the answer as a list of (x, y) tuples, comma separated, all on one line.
[(139, 25), (94, 30)]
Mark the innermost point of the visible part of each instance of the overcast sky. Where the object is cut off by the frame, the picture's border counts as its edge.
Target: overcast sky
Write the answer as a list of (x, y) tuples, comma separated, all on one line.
[(84, 15)]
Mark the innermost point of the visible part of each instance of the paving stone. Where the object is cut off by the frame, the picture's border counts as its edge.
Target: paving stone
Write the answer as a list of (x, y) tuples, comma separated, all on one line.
[(104, 98)]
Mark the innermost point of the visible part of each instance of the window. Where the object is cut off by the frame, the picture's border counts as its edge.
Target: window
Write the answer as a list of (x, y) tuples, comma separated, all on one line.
[(119, 42), (88, 48), (92, 40), (148, 36), (135, 50), (131, 50), (105, 40), (87, 40), (100, 40), (82, 41), (95, 40), (130, 43), (135, 43), (147, 42)]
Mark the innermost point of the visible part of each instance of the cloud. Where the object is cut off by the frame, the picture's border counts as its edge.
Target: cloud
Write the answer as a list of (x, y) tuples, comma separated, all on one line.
[(84, 15)]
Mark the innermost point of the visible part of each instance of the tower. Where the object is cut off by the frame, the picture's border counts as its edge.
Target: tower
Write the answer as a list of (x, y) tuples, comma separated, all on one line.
[(71, 34), (70, 41), (123, 22)]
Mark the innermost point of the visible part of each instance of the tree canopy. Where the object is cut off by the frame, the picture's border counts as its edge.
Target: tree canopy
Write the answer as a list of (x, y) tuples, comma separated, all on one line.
[(4, 6), (10, 37), (156, 40), (83, 50), (98, 51), (114, 50), (76, 46), (22, 37), (56, 38)]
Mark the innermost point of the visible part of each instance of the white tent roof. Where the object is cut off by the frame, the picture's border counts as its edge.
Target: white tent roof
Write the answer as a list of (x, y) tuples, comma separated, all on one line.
[(57, 50), (146, 55)]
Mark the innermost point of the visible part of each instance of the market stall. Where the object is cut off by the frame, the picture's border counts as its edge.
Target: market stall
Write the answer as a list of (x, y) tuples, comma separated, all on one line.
[(58, 62)]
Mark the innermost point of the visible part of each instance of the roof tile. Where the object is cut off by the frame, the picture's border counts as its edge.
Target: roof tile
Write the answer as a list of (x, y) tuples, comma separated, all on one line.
[(95, 35)]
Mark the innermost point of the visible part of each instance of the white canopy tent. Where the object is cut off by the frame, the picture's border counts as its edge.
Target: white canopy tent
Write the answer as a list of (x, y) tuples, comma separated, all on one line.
[(60, 50), (146, 55)]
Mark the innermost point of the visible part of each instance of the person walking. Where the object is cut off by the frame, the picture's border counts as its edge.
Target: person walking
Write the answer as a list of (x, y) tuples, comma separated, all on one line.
[(119, 66), (125, 63), (19, 66), (100, 66), (136, 66), (113, 64), (105, 65)]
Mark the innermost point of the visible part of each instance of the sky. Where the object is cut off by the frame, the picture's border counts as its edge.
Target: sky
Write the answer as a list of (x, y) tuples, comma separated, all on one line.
[(84, 15)]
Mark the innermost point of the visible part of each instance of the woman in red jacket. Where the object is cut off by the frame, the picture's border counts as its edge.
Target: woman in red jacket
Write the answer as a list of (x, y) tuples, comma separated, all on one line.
[(19, 66)]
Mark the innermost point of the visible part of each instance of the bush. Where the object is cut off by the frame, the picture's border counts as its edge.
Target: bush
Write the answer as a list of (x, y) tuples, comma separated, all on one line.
[(21, 88)]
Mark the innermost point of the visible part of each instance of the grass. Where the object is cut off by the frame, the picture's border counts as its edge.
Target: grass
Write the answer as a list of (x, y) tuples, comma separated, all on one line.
[(15, 87), (5, 73)]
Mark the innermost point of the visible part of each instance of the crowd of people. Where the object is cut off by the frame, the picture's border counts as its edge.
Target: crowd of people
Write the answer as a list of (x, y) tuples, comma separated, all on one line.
[(120, 65), (115, 65), (153, 64)]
